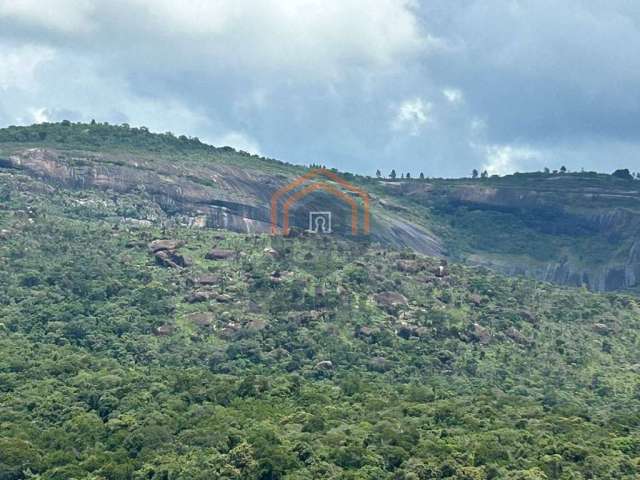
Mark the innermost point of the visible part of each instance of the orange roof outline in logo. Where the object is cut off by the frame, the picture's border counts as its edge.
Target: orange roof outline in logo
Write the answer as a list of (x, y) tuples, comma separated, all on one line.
[(319, 186)]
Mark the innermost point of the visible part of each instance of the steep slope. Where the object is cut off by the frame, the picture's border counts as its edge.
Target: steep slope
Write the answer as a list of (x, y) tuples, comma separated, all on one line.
[(134, 346), (111, 354), (572, 229), (577, 229), (189, 181)]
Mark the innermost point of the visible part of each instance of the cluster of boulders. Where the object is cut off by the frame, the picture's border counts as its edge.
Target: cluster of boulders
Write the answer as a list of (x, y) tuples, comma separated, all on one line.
[(166, 253)]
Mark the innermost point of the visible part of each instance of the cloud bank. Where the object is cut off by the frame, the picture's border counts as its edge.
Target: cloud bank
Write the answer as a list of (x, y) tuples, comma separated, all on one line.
[(439, 86)]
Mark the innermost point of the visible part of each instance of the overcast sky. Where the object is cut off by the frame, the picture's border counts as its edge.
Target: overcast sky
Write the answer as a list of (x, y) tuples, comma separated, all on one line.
[(438, 86)]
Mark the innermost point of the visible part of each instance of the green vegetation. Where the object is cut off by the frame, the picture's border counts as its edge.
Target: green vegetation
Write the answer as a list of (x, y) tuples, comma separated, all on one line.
[(293, 359)]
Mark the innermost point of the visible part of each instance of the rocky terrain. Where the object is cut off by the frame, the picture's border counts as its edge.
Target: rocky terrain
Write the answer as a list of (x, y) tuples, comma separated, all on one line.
[(150, 330), (578, 229)]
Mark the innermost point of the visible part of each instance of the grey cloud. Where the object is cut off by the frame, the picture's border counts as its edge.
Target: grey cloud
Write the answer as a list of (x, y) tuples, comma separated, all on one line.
[(542, 83)]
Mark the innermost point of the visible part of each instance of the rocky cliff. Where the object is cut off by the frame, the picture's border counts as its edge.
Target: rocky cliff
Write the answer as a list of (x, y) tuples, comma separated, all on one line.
[(580, 229)]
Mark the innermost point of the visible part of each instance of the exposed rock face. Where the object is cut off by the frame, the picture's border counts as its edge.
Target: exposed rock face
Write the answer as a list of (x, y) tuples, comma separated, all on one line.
[(207, 194), (225, 195), (481, 334)]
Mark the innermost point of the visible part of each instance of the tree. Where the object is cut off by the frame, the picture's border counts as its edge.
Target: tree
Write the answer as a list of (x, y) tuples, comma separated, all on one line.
[(623, 173), (422, 176), (563, 169), (408, 176), (378, 174), (546, 170), (392, 175), (474, 174), (484, 174)]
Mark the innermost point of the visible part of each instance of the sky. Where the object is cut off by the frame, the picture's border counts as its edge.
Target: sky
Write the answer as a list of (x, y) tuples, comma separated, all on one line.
[(433, 86)]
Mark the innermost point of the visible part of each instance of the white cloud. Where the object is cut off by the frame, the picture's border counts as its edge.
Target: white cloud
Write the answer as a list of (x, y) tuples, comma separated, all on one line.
[(18, 65), (40, 115), (237, 140), (317, 35), (453, 95), (63, 16), (411, 116), (506, 159)]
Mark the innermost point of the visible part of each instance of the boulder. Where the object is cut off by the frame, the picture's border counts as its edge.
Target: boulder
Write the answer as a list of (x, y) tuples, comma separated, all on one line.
[(303, 318), (529, 316), (200, 296), (204, 280), (324, 365), (271, 252), (601, 329), (159, 245), (421, 332), (171, 259), (405, 331), (481, 334), (229, 330), (256, 325), (441, 271), (379, 364), (253, 307), (223, 298), (220, 254), (201, 319), (366, 332), (408, 266), (278, 276), (517, 336), (279, 353), (475, 299), (390, 299), (163, 330)]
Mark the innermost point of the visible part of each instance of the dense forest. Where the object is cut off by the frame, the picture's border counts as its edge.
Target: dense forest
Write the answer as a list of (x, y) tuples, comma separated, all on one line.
[(135, 350)]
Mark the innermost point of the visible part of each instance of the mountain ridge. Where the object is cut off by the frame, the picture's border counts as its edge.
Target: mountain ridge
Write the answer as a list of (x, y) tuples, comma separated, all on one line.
[(568, 228)]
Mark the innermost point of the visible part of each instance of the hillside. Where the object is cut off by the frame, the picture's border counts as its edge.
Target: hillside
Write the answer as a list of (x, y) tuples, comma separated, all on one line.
[(578, 229), (140, 340)]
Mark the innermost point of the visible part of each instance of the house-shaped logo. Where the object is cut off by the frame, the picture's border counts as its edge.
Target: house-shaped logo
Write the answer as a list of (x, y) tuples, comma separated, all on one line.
[(320, 179)]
